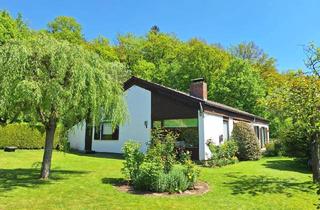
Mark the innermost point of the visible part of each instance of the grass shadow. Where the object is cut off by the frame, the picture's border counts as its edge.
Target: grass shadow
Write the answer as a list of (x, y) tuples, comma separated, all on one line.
[(297, 165), (29, 178), (98, 155), (259, 184), (114, 181)]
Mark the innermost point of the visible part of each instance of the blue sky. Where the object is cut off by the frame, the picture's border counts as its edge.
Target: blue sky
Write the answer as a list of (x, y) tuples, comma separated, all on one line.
[(280, 27)]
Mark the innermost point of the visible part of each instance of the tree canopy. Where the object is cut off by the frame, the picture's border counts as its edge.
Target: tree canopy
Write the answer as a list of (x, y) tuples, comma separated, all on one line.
[(52, 81)]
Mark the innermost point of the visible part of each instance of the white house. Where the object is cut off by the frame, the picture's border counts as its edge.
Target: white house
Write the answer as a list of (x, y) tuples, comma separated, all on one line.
[(194, 117)]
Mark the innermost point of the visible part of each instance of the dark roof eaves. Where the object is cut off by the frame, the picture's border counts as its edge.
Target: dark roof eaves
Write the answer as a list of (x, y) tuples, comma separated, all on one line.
[(144, 83)]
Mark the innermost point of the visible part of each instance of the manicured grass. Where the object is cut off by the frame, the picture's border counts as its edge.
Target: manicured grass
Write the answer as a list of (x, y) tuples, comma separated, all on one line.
[(84, 182)]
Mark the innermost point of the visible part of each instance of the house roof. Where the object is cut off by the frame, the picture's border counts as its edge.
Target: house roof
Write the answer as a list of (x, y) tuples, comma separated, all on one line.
[(206, 105)]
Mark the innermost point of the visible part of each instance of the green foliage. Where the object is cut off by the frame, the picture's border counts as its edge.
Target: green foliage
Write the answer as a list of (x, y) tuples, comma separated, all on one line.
[(241, 86), (192, 173), (66, 28), (147, 176), (161, 148), (221, 155), (102, 47), (11, 28), (133, 159), (274, 148), (173, 181), (45, 78), (155, 171), (296, 104), (248, 146), (24, 136)]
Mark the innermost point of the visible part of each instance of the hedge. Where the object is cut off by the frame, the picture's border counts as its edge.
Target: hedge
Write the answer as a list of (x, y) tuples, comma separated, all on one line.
[(23, 136)]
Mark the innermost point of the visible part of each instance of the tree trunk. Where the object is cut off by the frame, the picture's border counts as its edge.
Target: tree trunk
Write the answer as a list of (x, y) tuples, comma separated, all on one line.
[(315, 160), (47, 155)]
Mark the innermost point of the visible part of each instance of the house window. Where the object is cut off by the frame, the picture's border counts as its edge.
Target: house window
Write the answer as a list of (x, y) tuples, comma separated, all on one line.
[(263, 136), (105, 132), (256, 130), (225, 130), (180, 123), (187, 130)]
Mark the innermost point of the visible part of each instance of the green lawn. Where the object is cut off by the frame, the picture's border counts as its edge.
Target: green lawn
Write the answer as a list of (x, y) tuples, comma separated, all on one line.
[(84, 182)]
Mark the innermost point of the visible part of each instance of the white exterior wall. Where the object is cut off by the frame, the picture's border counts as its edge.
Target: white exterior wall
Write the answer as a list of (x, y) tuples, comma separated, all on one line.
[(210, 127), (230, 126), (139, 111), (76, 136)]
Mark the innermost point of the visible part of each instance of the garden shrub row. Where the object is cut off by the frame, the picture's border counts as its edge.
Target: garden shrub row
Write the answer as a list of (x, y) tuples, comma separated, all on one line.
[(23, 136)]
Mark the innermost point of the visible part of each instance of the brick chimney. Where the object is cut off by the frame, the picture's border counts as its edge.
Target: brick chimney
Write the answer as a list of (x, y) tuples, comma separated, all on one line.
[(198, 88)]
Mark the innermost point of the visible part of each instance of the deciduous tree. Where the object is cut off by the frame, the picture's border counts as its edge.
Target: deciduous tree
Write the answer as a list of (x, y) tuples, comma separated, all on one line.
[(53, 82)]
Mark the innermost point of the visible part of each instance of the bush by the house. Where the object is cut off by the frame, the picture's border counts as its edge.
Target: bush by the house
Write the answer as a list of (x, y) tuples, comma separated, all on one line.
[(155, 171), (274, 148), (222, 154), (161, 147), (24, 136), (248, 144), (133, 157)]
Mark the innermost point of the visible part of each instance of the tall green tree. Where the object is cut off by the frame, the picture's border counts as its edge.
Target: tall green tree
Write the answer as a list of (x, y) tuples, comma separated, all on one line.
[(66, 28), (298, 104), (12, 28), (260, 60), (241, 86), (53, 82), (102, 47)]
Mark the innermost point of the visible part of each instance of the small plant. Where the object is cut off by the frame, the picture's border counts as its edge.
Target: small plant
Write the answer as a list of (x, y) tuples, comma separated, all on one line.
[(247, 141), (191, 172), (133, 159)]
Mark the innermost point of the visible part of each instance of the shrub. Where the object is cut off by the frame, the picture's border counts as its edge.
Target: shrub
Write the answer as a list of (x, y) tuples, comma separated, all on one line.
[(24, 136), (133, 159), (173, 181), (274, 148), (147, 176), (222, 155), (248, 144), (191, 172), (161, 147)]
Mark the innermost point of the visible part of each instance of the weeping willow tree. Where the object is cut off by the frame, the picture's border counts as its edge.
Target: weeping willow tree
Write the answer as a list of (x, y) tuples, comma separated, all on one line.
[(51, 82)]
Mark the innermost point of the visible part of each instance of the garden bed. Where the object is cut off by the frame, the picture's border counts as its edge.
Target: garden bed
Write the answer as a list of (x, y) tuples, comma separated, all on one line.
[(199, 189)]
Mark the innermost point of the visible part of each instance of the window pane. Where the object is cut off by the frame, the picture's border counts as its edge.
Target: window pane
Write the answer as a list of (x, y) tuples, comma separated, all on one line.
[(180, 123), (225, 130), (107, 128), (256, 130)]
